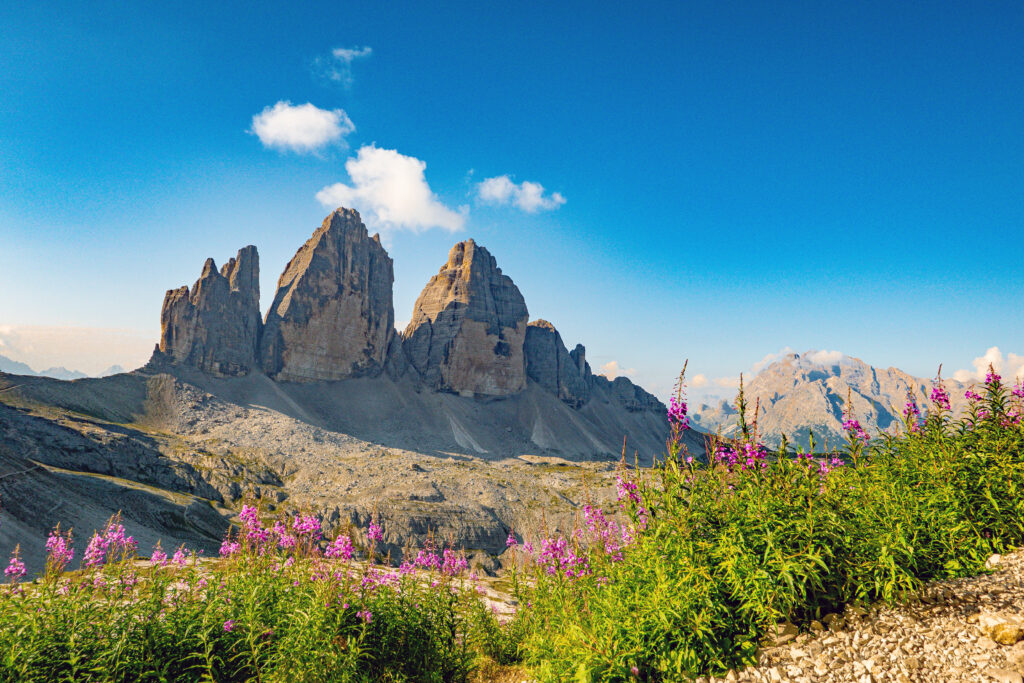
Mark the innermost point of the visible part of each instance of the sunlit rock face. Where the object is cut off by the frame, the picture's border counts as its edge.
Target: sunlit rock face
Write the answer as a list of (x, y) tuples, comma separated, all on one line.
[(468, 327), (333, 315)]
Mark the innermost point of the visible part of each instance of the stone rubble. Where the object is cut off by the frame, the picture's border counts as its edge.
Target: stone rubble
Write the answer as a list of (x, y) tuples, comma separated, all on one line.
[(969, 630)]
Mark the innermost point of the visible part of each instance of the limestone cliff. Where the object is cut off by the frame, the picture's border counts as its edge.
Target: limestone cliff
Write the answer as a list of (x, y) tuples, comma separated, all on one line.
[(550, 364), (468, 327), (333, 316), (216, 326)]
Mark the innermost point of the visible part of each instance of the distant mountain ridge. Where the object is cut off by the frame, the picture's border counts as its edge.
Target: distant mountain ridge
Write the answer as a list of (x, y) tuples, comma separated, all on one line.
[(801, 393), (13, 367)]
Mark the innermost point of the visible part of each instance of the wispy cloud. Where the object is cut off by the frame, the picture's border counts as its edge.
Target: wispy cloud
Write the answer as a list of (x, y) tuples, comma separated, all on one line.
[(338, 66), (770, 358), (1011, 367), (526, 196), (301, 128), (391, 192), (612, 369)]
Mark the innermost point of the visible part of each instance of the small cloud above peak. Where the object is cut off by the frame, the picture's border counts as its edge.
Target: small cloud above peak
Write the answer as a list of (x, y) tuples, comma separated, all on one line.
[(824, 357), (612, 369), (338, 67), (526, 196), (390, 191), (301, 128)]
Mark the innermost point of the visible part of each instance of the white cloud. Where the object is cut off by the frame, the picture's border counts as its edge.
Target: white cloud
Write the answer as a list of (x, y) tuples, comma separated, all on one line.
[(301, 128), (391, 192), (699, 381), (611, 370), (824, 357), (88, 349), (727, 382), (527, 196), (338, 67), (770, 358), (1011, 367)]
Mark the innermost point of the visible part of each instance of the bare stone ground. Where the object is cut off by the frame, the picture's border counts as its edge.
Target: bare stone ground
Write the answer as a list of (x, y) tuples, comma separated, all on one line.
[(945, 634)]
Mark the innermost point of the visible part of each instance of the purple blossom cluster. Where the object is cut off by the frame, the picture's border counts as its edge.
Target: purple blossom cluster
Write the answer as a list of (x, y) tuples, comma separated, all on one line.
[(628, 491), (253, 535), (911, 413), (375, 532), (557, 556), (110, 544), (820, 466), (15, 568), (340, 548), (59, 551), (939, 395), (158, 557), (677, 413), (854, 431), (747, 456)]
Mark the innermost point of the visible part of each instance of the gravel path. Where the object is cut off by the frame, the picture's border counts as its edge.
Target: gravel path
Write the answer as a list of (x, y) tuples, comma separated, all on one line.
[(947, 633)]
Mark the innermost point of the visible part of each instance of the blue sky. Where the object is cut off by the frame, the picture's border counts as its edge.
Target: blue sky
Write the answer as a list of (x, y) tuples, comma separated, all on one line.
[(732, 178)]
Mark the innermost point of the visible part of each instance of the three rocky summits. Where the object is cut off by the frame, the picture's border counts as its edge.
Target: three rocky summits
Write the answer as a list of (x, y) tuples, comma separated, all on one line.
[(333, 319)]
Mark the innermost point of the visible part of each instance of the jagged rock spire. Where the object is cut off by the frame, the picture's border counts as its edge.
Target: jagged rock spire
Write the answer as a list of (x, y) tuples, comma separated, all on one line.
[(468, 327), (216, 326), (333, 315)]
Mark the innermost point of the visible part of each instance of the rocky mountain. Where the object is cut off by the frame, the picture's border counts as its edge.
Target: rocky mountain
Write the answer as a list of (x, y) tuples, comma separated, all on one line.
[(216, 326), (468, 327), (468, 424), (801, 393), (333, 315)]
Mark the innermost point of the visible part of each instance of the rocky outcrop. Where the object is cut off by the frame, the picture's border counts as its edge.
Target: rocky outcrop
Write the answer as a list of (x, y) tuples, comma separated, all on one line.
[(468, 327), (333, 316), (550, 364), (216, 326), (633, 398)]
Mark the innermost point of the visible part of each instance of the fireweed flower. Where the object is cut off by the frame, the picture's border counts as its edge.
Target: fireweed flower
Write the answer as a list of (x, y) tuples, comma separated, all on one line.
[(227, 548), (180, 557), (972, 396), (307, 525), (366, 615), (912, 413), (340, 548), (158, 557), (453, 563), (229, 625), (992, 377), (511, 541), (15, 568), (677, 416), (59, 550), (939, 394), (855, 431), (375, 532)]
